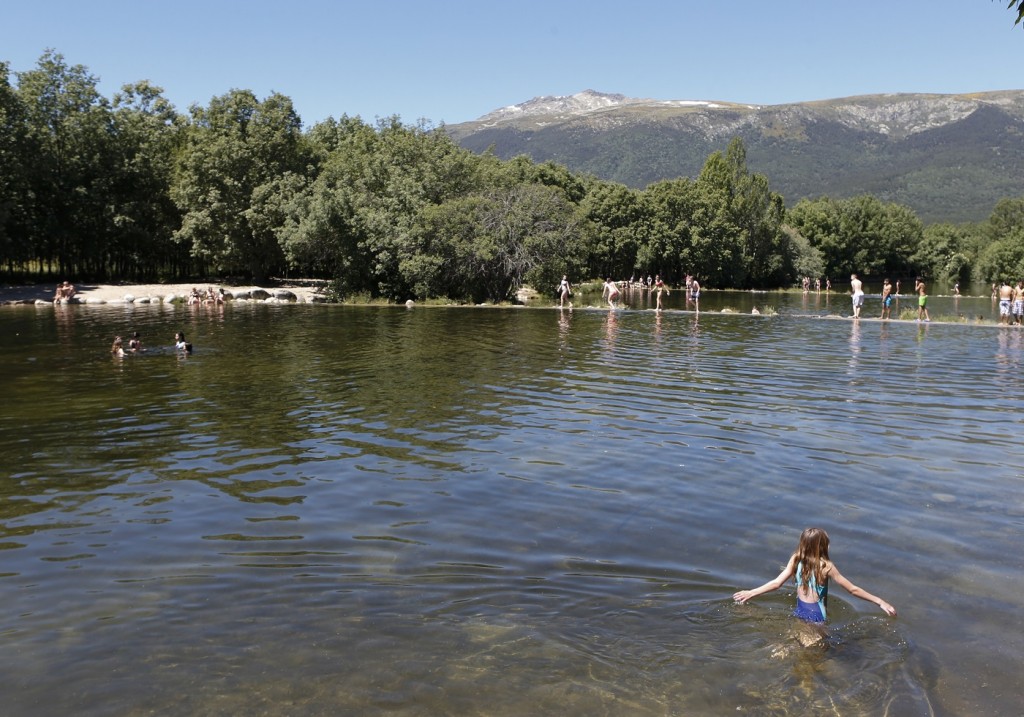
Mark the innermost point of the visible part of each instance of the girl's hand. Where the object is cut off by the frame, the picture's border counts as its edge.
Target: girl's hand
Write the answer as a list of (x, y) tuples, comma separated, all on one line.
[(743, 595), (889, 609)]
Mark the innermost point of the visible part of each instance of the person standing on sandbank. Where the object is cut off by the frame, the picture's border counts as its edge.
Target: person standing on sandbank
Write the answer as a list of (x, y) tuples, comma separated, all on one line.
[(1005, 302), (922, 299), (886, 299), (564, 292), (857, 287), (611, 291), (1018, 303), (660, 287)]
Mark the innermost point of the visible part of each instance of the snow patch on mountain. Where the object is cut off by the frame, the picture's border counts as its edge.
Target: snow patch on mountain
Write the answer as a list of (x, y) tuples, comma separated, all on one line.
[(581, 103)]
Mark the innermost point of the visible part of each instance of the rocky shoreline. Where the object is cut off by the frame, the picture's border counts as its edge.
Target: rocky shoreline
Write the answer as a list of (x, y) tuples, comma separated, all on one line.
[(100, 294)]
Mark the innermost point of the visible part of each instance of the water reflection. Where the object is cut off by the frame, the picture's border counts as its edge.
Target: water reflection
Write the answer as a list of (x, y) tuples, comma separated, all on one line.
[(564, 324), (611, 329), (461, 511), (854, 348)]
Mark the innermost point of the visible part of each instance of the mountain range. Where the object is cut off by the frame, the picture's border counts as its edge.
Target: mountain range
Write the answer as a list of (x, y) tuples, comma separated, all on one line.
[(950, 158)]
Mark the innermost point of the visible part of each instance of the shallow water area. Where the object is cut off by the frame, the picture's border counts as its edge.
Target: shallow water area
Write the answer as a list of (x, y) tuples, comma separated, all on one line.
[(506, 511)]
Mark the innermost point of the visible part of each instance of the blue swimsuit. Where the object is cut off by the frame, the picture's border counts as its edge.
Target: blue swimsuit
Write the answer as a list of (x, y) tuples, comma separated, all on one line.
[(811, 611)]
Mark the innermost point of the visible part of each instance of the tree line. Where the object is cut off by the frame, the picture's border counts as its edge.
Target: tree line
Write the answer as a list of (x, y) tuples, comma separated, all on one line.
[(130, 188)]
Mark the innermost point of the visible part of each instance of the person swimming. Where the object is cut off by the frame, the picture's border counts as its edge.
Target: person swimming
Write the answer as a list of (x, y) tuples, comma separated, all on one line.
[(180, 344)]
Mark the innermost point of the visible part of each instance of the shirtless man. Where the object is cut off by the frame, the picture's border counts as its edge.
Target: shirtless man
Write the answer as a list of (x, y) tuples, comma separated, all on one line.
[(611, 291), (695, 294), (922, 299), (1005, 299), (886, 299), (1018, 303), (858, 294)]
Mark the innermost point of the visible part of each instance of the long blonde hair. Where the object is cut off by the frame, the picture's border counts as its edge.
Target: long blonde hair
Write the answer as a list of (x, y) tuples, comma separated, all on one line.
[(812, 556)]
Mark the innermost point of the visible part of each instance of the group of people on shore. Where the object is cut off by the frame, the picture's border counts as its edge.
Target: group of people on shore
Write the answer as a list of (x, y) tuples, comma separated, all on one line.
[(135, 344), (889, 292), (210, 296)]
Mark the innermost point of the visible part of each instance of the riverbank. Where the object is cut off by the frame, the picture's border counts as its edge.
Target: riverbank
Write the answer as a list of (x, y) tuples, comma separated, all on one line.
[(154, 293)]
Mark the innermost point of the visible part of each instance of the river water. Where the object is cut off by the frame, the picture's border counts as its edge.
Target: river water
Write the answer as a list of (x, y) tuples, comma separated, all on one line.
[(507, 511)]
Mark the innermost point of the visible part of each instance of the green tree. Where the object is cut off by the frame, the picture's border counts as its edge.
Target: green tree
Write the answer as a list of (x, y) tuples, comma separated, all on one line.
[(1003, 240), (806, 260), (322, 235), (364, 206), (237, 149), (487, 246), (718, 243), (69, 129), (666, 245), (613, 221), (945, 252), (759, 213), (16, 246), (143, 215), (860, 235)]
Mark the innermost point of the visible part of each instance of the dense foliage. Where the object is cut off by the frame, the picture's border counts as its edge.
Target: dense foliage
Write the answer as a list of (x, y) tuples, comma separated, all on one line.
[(130, 188)]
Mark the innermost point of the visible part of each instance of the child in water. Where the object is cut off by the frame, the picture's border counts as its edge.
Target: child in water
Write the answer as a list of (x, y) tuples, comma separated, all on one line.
[(180, 344), (812, 569)]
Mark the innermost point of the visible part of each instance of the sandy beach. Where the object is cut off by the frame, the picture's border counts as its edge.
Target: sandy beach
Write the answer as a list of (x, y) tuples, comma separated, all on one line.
[(115, 293)]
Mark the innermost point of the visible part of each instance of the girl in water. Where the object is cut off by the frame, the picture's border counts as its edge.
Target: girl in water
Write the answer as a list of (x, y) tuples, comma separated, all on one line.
[(812, 570), (180, 344)]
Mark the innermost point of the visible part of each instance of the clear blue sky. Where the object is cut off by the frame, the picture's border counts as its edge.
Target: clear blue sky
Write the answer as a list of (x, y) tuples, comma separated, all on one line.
[(455, 60)]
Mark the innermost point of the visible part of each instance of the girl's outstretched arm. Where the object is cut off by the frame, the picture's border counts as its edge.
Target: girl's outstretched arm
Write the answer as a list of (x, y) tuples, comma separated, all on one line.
[(786, 574), (860, 592)]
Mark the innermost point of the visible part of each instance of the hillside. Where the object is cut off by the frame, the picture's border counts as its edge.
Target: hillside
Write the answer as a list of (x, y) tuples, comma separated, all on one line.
[(949, 157)]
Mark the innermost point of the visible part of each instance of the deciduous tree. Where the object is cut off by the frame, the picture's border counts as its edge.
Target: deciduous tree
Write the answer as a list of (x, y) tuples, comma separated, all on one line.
[(69, 129), (236, 149)]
